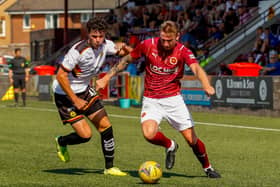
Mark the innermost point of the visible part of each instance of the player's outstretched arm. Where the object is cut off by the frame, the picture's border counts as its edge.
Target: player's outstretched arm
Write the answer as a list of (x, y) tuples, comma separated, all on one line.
[(118, 67), (202, 76), (122, 49)]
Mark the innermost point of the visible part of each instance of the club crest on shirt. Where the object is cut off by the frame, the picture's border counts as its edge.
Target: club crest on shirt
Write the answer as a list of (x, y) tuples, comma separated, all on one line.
[(173, 60), (73, 114), (22, 65)]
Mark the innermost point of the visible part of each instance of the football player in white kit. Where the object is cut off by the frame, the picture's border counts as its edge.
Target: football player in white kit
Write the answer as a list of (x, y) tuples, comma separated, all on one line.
[(76, 100)]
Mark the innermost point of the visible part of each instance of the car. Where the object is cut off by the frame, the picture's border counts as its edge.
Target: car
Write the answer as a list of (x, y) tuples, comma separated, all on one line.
[(4, 69), (6, 59)]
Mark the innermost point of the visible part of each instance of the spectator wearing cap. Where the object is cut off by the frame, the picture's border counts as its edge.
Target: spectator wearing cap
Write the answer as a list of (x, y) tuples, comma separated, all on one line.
[(273, 68)]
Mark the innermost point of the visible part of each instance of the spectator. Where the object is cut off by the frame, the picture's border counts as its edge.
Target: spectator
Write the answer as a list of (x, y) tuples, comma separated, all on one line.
[(231, 21), (131, 69), (130, 4), (181, 20), (271, 13), (163, 15), (231, 4), (271, 39), (215, 36), (273, 68), (153, 21), (112, 20), (221, 6), (224, 70), (187, 25), (145, 16), (244, 15), (128, 18), (251, 58), (187, 37), (199, 26)]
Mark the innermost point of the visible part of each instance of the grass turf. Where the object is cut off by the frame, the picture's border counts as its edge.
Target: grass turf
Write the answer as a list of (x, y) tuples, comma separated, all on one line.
[(244, 157)]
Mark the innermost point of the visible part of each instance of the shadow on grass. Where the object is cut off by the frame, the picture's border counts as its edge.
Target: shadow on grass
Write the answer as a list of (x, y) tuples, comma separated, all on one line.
[(165, 174), (132, 173), (74, 171)]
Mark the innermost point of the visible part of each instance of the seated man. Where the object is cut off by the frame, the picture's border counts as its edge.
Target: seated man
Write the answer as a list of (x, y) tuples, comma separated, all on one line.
[(273, 68)]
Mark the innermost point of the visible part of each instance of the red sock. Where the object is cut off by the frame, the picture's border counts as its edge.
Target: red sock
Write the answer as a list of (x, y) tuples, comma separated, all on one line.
[(200, 153), (160, 139)]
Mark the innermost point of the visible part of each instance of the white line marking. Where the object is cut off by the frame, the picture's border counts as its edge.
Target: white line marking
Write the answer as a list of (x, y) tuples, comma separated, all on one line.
[(238, 126), (135, 117)]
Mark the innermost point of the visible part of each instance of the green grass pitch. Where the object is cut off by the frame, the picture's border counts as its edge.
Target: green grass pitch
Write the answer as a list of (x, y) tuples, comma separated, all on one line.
[(247, 156)]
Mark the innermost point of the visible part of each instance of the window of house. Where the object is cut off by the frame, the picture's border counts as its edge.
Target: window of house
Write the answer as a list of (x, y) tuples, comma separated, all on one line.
[(2, 28), (51, 21), (85, 17), (26, 21)]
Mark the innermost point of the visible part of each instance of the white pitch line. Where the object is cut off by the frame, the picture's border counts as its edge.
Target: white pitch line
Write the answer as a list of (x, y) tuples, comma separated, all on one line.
[(238, 126), (135, 117)]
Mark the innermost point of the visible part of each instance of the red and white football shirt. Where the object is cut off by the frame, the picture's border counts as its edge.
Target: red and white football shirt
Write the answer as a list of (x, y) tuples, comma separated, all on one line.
[(164, 69)]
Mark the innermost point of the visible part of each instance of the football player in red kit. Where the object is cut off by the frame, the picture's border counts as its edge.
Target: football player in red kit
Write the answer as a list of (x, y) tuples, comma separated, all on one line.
[(164, 67)]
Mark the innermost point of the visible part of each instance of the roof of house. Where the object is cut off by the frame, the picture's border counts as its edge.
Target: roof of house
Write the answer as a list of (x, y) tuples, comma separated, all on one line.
[(43, 6)]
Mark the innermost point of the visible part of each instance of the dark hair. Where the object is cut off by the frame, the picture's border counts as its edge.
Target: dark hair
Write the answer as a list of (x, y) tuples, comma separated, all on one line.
[(17, 49), (97, 23)]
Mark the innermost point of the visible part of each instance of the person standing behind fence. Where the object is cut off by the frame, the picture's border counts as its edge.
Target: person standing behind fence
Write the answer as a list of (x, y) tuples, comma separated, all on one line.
[(19, 75)]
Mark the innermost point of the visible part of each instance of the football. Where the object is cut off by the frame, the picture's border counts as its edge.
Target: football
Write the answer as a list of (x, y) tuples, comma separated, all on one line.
[(150, 172)]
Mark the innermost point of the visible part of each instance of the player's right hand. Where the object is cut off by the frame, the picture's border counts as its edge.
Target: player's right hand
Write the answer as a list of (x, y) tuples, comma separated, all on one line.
[(209, 90), (80, 104)]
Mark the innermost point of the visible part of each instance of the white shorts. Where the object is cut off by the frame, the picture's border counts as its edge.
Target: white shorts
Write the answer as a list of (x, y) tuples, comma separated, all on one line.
[(173, 109)]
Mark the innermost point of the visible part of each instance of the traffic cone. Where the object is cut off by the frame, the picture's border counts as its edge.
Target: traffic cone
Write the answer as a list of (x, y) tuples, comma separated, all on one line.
[(9, 95)]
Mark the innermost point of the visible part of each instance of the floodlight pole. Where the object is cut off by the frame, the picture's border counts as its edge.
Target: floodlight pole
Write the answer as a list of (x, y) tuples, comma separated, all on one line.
[(65, 30), (92, 9)]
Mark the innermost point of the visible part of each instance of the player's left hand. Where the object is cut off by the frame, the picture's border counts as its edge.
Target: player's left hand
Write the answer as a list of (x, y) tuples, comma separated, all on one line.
[(209, 91)]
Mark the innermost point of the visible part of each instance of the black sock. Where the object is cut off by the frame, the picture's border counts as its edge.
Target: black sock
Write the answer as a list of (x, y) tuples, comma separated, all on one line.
[(16, 97), (71, 139), (108, 146), (23, 96)]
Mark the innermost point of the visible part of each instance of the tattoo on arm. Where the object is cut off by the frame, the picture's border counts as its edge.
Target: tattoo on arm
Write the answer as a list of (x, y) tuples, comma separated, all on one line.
[(121, 65)]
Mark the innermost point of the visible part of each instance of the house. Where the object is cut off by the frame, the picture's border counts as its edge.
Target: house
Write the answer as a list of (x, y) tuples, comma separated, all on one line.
[(5, 27), (46, 20)]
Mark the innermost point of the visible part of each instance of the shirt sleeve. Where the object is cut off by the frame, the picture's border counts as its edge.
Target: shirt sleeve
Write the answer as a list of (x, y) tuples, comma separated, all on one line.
[(11, 64), (71, 59), (110, 46), (188, 56), (26, 63), (138, 51)]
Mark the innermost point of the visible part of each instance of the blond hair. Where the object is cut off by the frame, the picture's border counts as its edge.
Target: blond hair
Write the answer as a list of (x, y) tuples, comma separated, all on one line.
[(169, 27)]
